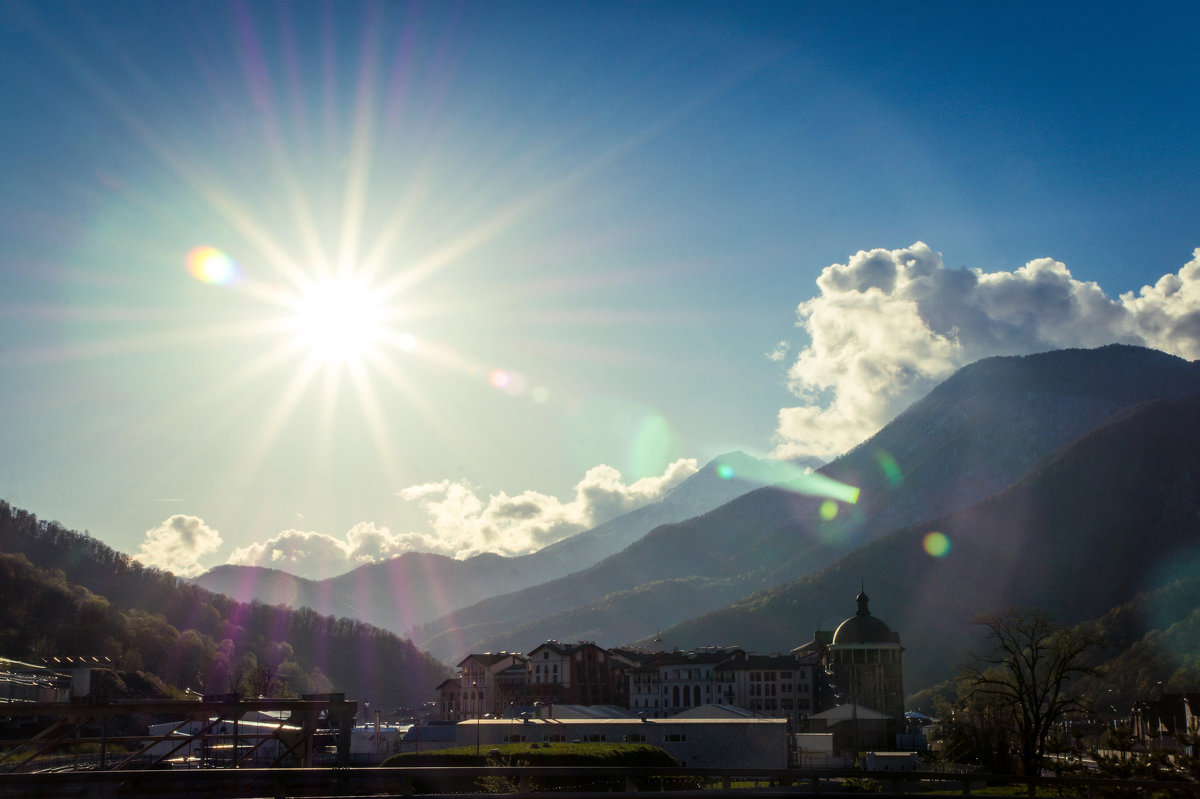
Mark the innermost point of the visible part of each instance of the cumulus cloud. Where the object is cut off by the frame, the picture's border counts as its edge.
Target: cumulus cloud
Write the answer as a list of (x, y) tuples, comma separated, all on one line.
[(464, 524), (178, 544), (890, 324), (321, 555)]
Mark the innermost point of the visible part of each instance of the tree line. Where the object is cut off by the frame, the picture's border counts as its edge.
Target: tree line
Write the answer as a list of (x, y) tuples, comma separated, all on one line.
[(64, 593), (1040, 688)]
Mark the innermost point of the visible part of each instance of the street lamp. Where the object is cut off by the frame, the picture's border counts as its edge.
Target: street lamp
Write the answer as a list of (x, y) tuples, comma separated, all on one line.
[(478, 716)]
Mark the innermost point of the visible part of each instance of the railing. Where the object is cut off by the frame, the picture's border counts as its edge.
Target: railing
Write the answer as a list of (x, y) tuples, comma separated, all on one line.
[(593, 782)]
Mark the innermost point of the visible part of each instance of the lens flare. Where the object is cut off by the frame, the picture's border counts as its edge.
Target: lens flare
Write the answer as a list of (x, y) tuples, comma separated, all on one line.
[(651, 445), (725, 471), (818, 485), (210, 265), (829, 510), (936, 544), (891, 469), (500, 378)]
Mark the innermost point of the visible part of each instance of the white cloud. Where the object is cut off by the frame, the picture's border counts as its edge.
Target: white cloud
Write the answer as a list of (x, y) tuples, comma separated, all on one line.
[(890, 324), (463, 524), (320, 555), (466, 525), (178, 544)]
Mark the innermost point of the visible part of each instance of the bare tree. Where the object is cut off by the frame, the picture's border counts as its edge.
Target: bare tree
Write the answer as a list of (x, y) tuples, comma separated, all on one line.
[(1033, 670)]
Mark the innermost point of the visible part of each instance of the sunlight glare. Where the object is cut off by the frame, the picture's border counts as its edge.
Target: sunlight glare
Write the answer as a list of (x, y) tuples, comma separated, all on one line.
[(338, 320)]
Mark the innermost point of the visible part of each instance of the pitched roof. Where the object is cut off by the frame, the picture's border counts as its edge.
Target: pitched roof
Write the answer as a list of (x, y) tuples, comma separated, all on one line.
[(490, 658)]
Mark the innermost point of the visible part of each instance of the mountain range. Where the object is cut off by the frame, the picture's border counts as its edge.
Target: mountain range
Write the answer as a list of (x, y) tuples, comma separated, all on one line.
[(1110, 516), (409, 590), (1068, 480), (983, 429)]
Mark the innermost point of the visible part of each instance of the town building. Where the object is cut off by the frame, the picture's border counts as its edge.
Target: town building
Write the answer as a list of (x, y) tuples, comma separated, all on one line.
[(778, 685), (863, 671), (846, 683), (1162, 723), (675, 681), (449, 699), (577, 674), (490, 683)]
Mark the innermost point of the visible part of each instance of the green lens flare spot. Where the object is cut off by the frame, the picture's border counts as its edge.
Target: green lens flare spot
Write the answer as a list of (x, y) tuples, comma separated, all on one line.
[(936, 544), (891, 469)]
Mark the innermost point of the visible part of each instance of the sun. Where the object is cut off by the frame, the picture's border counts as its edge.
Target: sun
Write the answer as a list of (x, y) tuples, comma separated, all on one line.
[(339, 319)]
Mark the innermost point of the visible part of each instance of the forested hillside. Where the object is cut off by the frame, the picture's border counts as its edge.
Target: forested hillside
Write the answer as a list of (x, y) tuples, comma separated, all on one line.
[(64, 593), (1148, 648)]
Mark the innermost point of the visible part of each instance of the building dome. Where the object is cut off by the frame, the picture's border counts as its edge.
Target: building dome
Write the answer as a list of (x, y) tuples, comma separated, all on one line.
[(863, 628)]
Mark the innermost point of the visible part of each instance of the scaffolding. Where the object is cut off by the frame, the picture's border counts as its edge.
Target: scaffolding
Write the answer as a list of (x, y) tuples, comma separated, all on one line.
[(212, 726)]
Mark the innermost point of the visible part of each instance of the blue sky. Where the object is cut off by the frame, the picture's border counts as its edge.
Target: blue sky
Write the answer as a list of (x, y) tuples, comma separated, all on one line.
[(583, 231)]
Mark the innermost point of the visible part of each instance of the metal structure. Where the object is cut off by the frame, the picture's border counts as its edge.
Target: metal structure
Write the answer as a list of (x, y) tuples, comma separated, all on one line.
[(313, 714)]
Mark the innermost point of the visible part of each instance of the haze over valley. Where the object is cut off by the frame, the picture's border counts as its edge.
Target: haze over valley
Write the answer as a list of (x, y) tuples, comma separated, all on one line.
[(345, 340)]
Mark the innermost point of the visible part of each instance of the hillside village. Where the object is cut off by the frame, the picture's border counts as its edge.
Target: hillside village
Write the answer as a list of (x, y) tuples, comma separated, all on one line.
[(845, 685)]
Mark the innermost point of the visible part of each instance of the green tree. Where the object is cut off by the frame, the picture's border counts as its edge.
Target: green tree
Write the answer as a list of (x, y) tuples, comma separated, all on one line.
[(1034, 672)]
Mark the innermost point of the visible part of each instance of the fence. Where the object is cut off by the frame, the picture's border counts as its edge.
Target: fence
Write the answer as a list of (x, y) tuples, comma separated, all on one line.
[(679, 783)]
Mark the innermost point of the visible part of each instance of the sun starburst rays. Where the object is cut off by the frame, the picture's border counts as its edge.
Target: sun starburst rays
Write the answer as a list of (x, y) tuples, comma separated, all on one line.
[(327, 260)]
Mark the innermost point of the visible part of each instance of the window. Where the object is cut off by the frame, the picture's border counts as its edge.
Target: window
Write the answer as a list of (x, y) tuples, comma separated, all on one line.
[(635, 738), (595, 738), (514, 739), (554, 738), (674, 738)]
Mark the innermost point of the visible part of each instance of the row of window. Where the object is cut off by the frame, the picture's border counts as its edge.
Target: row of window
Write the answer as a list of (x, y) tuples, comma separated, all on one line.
[(868, 656)]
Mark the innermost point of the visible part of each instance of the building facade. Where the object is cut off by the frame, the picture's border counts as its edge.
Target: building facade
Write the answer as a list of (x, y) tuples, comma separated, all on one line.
[(863, 667), (785, 686), (489, 683), (576, 674)]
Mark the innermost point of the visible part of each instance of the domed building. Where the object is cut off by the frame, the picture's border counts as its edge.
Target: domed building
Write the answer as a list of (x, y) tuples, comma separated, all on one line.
[(862, 660)]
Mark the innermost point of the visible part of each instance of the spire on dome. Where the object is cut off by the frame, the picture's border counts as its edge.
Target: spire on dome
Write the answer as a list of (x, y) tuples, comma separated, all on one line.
[(863, 599)]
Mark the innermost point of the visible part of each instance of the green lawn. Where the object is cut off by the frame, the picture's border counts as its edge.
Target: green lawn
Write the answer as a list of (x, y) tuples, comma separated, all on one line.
[(548, 754)]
